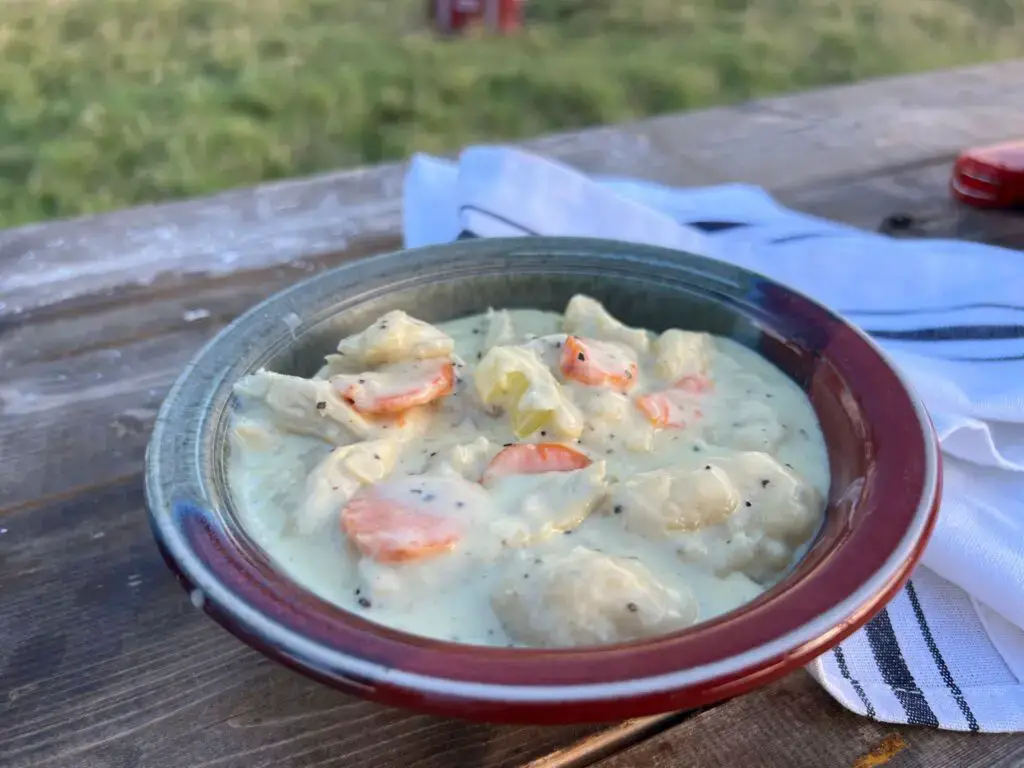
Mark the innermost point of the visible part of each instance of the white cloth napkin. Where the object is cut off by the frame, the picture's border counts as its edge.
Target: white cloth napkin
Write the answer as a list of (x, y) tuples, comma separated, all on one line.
[(949, 650)]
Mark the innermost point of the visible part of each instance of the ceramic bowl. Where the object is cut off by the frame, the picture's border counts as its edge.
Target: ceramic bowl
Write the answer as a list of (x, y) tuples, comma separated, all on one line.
[(885, 484)]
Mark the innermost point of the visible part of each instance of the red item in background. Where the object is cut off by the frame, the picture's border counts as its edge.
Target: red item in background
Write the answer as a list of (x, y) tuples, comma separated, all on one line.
[(990, 177), (455, 15)]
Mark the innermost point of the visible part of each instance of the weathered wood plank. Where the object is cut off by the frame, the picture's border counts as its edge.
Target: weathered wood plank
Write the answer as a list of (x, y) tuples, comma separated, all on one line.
[(917, 193), (79, 390), (795, 724), (104, 663), (784, 142)]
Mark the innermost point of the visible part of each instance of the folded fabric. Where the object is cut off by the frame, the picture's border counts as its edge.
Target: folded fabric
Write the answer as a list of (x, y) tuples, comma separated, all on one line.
[(949, 650)]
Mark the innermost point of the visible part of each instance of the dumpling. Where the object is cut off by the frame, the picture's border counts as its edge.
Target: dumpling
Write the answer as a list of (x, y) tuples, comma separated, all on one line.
[(778, 512), (658, 503), (468, 460), (534, 507), (679, 354), (338, 477), (586, 317), (584, 597), (303, 406), (393, 338), (515, 379)]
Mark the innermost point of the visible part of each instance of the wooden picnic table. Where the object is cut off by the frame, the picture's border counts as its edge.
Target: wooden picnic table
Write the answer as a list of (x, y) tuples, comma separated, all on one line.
[(104, 662)]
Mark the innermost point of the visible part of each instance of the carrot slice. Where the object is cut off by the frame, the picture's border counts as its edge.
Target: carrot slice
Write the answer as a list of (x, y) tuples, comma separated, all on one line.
[(670, 408), (392, 531), (696, 383), (398, 387), (532, 459), (598, 363)]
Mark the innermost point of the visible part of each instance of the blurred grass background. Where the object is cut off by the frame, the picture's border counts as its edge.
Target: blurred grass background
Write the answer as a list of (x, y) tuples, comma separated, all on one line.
[(108, 103)]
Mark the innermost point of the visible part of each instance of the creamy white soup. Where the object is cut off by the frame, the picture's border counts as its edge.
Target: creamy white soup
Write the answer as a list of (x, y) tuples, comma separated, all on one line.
[(530, 478)]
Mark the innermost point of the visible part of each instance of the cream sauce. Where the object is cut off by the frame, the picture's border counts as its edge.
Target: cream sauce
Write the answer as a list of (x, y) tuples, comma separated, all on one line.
[(666, 526)]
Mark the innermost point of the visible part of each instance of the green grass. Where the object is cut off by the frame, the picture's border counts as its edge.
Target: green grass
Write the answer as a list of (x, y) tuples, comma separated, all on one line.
[(108, 103)]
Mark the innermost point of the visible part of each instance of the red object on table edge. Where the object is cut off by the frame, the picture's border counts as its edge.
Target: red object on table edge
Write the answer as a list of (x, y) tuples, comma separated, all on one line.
[(990, 177)]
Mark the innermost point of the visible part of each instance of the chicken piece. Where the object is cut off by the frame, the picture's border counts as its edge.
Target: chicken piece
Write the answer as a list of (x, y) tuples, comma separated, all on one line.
[(585, 597), (548, 349), (679, 354), (394, 337), (397, 387), (534, 507), (599, 364), (515, 379), (658, 503), (613, 421), (303, 406), (586, 317), (339, 476), (467, 460)]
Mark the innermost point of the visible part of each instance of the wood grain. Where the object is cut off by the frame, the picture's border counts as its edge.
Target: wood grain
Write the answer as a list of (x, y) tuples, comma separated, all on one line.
[(105, 663), (79, 390), (795, 724)]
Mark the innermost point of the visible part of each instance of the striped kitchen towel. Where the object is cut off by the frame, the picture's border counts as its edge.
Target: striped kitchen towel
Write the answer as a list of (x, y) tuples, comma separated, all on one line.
[(948, 651)]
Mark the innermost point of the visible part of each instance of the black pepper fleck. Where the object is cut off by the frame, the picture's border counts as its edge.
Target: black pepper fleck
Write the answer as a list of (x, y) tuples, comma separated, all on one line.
[(364, 603), (460, 504), (610, 451), (433, 454), (765, 483), (479, 355), (747, 504), (507, 445), (416, 491), (707, 466), (376, 456), (581, 357), (362, 381), (566, 533), (321, 405), (543, 433), (476, 331), (632, 607), (617, 509), (696, 449)]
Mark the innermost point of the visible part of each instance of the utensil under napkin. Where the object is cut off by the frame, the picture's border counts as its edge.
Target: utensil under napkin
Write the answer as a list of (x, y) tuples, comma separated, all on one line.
[(948, 651)]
